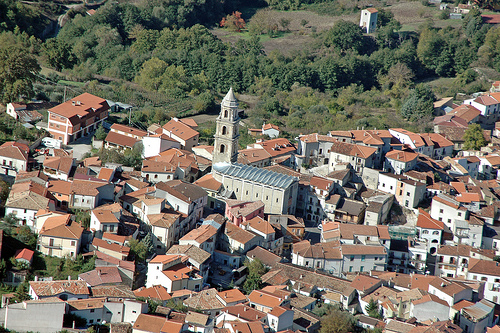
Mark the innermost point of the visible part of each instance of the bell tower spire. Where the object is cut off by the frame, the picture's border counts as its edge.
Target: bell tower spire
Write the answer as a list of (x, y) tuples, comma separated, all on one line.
[(227, 130)]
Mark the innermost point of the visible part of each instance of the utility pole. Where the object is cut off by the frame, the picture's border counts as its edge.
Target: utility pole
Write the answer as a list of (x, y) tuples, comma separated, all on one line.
[(129, 115), (64, 98)]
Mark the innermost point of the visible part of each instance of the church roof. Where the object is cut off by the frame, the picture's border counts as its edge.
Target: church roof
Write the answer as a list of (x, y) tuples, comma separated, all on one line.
[(230, 99), (254, 174)]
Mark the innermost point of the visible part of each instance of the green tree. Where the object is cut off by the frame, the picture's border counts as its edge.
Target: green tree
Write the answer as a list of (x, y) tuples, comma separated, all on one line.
[(18, 70), (21, 293), (100, 133), (345, 35), (58, 53), (474, 138), (372, 309), (255, 271), (9, 223), (419, 104), (176, 305), (83, 217), (337, 321), (138, 250)]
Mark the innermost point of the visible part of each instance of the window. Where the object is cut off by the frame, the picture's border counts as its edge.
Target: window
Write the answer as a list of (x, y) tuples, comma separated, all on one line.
[(440, 211), (73, 243), (407, 203), (224, 130), (352, 258), (449, 220), (391, 187), (361, 269), (307, 263), (222, 149), (440, 219), (91, 321), (459, 213), (362, 258), (92, 310), (350, 269), (407, 194)]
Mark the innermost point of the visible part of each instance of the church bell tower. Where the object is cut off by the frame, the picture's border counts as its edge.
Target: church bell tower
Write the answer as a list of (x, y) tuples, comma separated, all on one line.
[(227, 131)]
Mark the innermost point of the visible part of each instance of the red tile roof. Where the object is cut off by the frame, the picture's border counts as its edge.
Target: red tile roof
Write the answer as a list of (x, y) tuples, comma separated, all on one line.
[(427, 222), (25, 254)]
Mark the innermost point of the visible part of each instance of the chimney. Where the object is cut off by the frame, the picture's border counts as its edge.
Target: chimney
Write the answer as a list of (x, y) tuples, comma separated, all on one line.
[(73, 102), (69, 277)]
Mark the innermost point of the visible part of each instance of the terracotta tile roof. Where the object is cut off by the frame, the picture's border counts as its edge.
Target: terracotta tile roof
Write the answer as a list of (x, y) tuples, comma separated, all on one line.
[(438, 140), (191, 251), (182, 190), (180, 129), (28, 200), (232, 296), (84, 304), (25, 254), (265, 299), (363, 282), (348, 249), (101, 275), (455, 250), (266, 257), (106, 174), (61, 164), (86, 187), (204, 300), (462, 304), (244, 312), (466, 112), (486, 267), (149, 323), (425, 221), (68, 231), (105, 216), (190, 122), (469, 197), (487, 99), (59, 186), (128, 129), (154, 292), (37, 174), (402, 156), (83, 105), (201, 234), (238, 234), (275, 147), (243, 208), (121, 140), (429, 298), (13, 152), (166, 219), (381, 294), (56, 221), (208, 182), (99, 243), (350, 149), (250, 327), (54, 288), (252, 155), (260, 224), (111, 207), (92, 161), (448, 287)]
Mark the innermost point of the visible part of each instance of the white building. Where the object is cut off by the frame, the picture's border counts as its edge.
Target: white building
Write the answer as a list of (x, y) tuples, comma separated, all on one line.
[(368, 21), (45, 317), (174, 273), (155, 144), (487, 271)]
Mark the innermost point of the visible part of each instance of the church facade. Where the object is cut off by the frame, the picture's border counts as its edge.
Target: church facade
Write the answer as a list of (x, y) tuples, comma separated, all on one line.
[(277, 191)]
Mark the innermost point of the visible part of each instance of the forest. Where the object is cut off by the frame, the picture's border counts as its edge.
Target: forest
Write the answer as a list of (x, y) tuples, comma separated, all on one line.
[(162, 57)]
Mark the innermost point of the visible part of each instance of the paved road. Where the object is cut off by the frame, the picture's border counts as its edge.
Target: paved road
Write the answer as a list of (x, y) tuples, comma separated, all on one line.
[(312, 233), (81, 146)]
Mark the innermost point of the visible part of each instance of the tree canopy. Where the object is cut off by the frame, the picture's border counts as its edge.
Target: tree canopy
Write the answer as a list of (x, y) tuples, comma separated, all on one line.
[(474, 138)]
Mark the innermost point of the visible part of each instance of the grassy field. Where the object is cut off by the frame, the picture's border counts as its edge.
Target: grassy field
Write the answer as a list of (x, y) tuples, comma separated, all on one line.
[(321, 17)]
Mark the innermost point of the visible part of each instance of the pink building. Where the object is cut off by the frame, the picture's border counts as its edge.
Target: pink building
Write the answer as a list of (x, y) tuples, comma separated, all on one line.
[(240, 211)]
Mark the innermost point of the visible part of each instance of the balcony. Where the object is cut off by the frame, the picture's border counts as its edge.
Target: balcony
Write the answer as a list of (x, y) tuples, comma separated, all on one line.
[(53, 246)]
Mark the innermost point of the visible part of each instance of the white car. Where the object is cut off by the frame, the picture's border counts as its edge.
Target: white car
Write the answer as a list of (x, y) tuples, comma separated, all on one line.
[(320, 226)]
